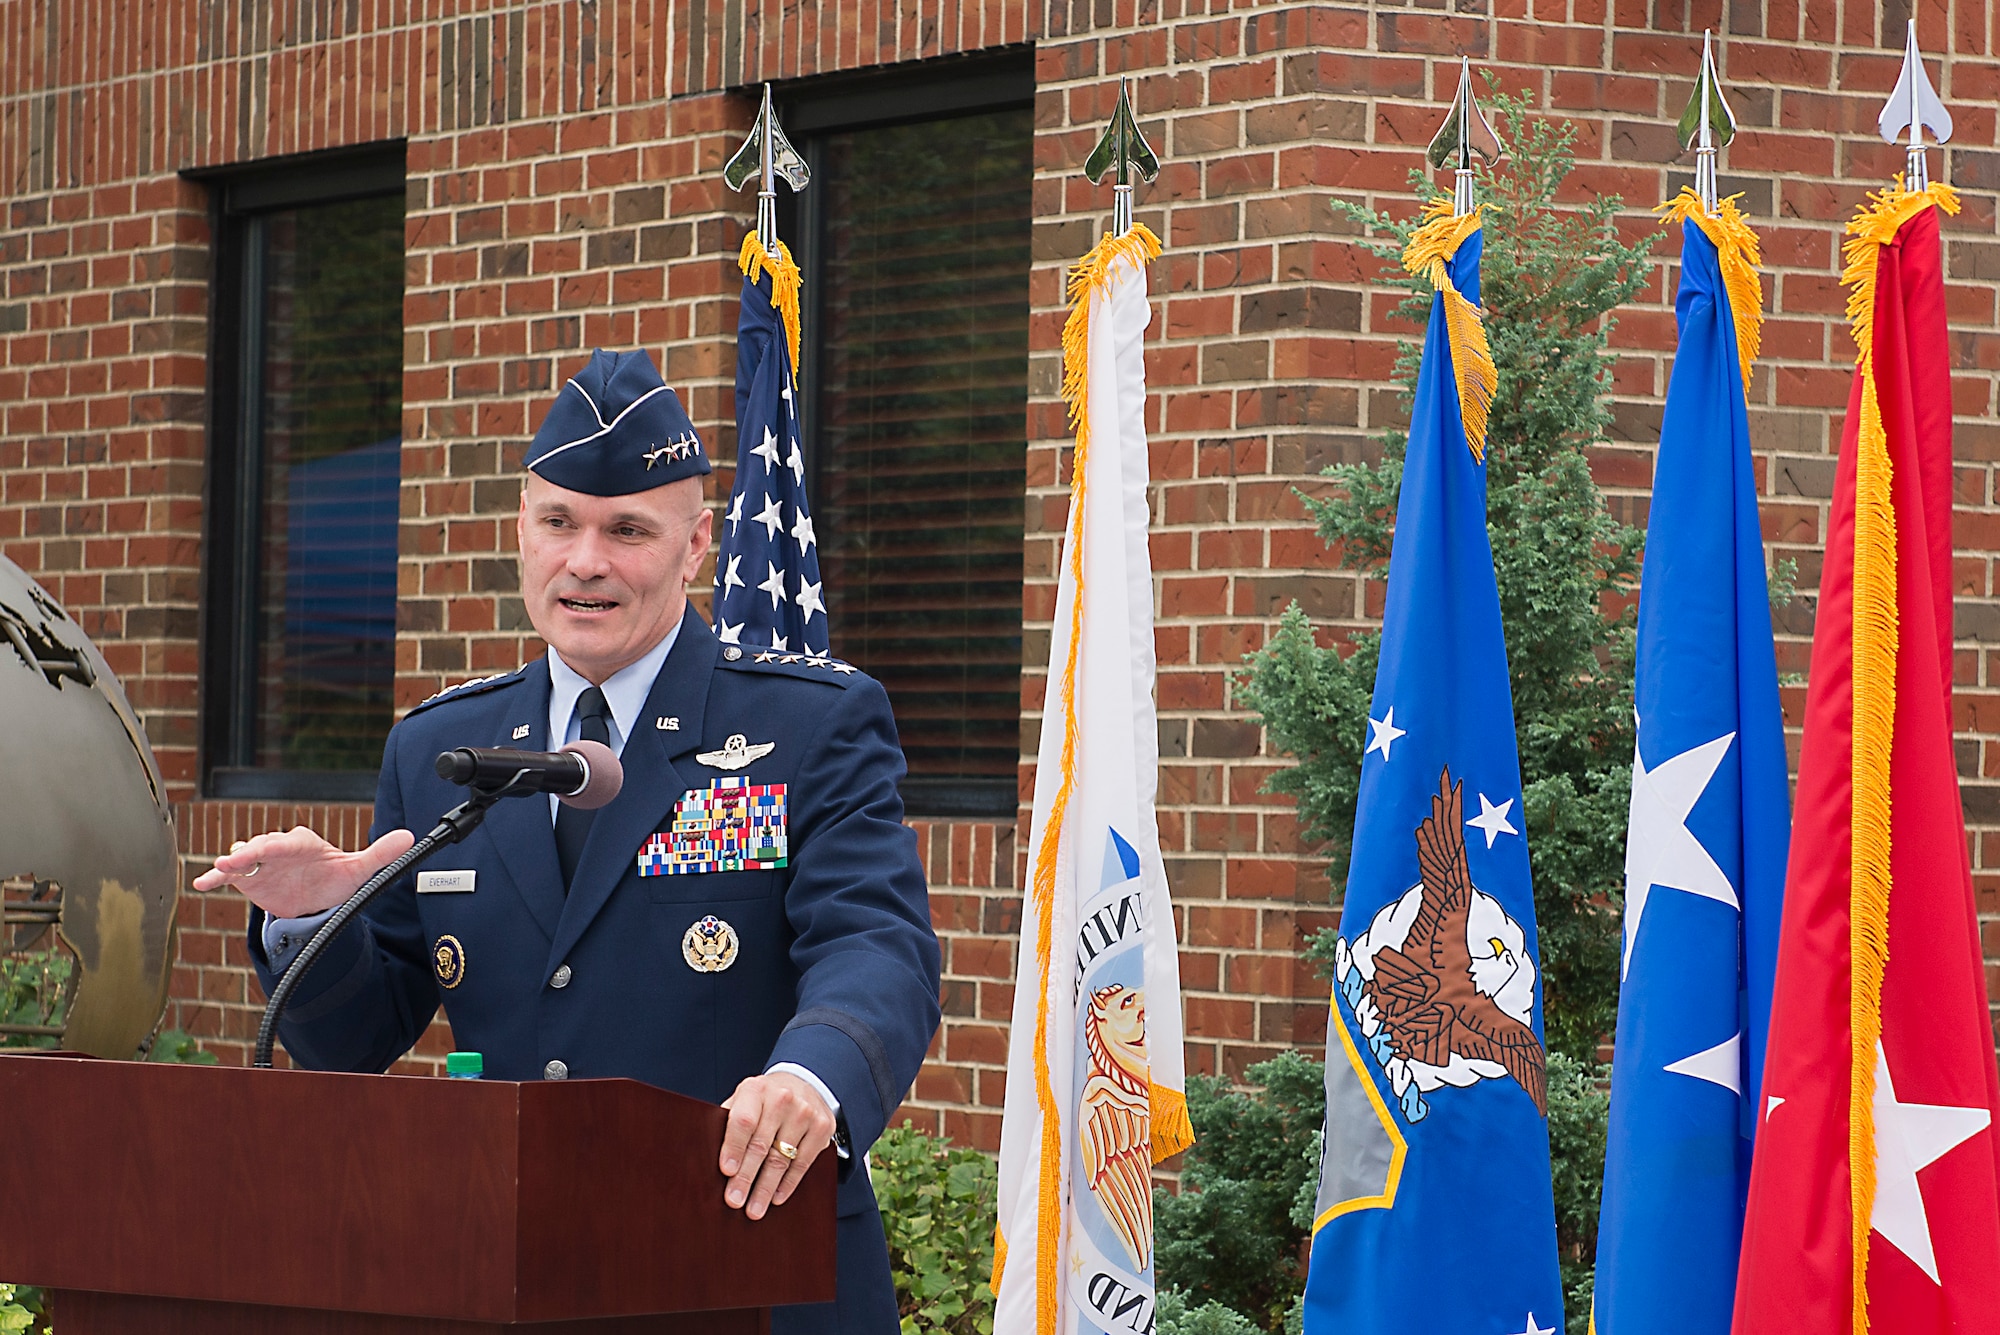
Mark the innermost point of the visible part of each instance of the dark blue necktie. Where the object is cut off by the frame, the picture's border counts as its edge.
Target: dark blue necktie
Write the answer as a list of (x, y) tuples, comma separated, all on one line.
[(573, 826)]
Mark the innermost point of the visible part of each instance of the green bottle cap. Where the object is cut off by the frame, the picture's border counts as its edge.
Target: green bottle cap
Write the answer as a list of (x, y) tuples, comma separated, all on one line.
[(464, 1063)]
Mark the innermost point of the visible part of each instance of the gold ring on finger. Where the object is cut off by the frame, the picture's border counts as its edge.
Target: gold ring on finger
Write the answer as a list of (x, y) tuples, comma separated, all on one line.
[(253, 871), (789, 1150)]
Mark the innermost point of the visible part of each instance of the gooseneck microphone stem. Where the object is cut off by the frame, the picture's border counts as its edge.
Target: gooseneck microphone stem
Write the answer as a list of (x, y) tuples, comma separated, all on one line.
[(452, 827)]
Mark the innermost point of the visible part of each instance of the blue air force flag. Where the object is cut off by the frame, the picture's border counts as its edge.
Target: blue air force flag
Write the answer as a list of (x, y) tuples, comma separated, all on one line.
[(1434, 1209), (767, 584), (1705, 857)]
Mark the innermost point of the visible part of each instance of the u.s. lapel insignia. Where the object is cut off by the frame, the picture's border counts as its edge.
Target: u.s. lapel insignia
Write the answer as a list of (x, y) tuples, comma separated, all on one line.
[(735, 753), (709, 946), (520, 732), (667, 723), (731, 825), (449, 961)]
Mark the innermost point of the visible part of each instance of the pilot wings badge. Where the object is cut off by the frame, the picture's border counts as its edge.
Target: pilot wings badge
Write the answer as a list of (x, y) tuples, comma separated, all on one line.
[(1442, 983), (735, 753)]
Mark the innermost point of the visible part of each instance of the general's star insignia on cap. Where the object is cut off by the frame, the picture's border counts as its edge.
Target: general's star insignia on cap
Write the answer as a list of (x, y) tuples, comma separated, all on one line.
[(735, 753), (449, 961), (709, 946)]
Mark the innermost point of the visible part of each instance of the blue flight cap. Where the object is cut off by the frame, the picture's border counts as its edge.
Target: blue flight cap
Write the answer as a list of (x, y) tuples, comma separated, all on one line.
[(616, 429)]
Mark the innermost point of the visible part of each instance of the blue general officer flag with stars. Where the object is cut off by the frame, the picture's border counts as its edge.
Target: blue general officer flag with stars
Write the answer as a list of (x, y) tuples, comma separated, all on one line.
[(1705, 857), (767, 581), (1434, 1209)]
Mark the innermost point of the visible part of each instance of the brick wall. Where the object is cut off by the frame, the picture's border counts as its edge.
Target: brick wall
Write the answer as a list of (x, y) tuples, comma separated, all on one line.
[(563, 194)]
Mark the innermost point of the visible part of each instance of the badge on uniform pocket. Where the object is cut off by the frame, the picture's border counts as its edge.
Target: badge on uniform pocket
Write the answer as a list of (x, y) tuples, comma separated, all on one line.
[(730, 825)]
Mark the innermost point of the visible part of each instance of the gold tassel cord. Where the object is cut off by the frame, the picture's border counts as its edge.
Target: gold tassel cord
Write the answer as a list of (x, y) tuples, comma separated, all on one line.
[(1089, 277), (1428, 255), (785, 286), (1738, 253), (1876, 642), (1172, 1131)]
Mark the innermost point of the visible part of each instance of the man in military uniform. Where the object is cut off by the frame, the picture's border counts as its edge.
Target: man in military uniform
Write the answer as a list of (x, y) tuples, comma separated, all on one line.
[(746, 923)]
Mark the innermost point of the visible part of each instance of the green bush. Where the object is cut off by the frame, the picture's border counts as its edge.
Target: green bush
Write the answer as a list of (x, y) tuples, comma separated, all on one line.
[(939, 1208), (1173, 1316), (1579, 1109), (1236, 1233), (19, 1308)]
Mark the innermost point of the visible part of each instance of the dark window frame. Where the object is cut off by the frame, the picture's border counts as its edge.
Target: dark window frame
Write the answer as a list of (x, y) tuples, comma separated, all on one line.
[(240, 196), (810, 109)]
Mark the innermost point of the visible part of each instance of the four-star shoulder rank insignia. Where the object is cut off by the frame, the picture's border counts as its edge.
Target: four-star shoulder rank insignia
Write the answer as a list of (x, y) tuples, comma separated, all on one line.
[(735, 753)]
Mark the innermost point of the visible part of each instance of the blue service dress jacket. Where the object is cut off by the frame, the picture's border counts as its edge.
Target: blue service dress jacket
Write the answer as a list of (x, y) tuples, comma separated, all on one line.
[(836, 965)]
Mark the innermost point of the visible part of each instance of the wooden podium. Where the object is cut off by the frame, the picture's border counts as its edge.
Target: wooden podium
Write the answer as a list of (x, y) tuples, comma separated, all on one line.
[(225, 1201)]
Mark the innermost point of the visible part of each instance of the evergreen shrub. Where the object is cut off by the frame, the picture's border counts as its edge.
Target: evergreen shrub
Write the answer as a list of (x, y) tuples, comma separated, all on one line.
[(939, 1205)]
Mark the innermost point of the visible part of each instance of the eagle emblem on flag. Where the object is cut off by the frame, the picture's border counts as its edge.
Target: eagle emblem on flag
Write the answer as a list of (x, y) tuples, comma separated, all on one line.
[(1117, 1125), (1441, 981)]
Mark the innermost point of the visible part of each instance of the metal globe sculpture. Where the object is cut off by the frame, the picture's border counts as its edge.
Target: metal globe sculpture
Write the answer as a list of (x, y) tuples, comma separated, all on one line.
[(85, 827)]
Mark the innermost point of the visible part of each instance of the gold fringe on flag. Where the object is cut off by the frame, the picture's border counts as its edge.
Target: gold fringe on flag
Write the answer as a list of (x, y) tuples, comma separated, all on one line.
[(1088, 278), (1876, 634), (785, 285), (1428, 254), (1737, 249)]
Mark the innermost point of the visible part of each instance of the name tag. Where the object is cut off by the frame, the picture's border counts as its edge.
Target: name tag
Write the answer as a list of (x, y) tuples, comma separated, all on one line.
[(445, 882)]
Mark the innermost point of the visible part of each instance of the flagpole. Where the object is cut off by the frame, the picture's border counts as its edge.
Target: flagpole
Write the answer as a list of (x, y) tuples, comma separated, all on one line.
[(1120, 149), (1465, 135), (1914, 106)]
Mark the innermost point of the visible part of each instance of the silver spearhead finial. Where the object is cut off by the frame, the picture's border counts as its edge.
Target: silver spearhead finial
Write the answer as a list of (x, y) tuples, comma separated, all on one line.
[(1121, 148), (1464, 136), (1707, 125), (1914, 106), (765, 156)]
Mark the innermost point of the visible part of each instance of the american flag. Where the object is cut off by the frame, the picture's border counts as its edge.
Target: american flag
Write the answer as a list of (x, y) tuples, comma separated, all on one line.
[(767, 582)]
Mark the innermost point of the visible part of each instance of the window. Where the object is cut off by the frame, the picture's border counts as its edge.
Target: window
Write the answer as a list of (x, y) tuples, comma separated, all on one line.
[(305, 458), (915, 247)]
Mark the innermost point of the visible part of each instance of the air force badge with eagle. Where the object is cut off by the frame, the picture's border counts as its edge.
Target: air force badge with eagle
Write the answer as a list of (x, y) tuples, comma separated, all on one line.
[(1442, 983)]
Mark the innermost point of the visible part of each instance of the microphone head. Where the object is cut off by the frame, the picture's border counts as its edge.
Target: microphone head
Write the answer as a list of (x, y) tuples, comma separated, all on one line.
[(604, 778)]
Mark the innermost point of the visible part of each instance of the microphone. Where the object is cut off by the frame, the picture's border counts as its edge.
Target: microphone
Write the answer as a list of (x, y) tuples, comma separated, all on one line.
[(585, 774)]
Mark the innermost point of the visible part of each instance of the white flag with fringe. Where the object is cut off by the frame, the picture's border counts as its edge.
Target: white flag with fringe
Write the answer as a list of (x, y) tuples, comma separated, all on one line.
[(1096, 1077)]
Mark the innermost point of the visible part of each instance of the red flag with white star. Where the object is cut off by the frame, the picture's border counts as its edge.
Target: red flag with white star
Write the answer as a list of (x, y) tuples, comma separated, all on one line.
[(1875, 1192)]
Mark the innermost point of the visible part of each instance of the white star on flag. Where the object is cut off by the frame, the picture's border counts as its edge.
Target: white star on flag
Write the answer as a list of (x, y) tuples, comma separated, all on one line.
[(1491, 820), (1909, 1137), (735, 515), (1534, 1329), (1382, 732), (802, 529), (767, 450), (770, 516), (731, 579), (1719, 1065), (727, 633), (1659, 848), (777, 641), (796, 461), (808, 600), (774, 584)]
